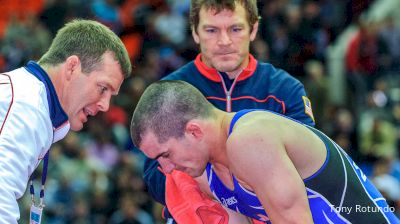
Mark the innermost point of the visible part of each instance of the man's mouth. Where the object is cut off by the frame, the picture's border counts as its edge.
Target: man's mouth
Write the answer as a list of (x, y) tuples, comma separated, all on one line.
[(180, 168), (88, 112), (224, 53)]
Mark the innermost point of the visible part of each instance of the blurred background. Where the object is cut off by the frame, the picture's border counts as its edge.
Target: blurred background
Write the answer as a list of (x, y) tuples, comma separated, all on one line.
[(346, 52)]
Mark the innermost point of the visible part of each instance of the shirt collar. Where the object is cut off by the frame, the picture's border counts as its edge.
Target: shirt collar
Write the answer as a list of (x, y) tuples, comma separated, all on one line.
[(212, 73), (58, 117)]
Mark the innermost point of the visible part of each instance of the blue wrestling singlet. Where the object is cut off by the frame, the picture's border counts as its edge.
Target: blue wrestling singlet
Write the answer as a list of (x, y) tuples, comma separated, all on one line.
[(337, 193)]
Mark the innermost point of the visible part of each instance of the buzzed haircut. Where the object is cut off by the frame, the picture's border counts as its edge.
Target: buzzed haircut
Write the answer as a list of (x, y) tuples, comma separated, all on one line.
[(165, 108)]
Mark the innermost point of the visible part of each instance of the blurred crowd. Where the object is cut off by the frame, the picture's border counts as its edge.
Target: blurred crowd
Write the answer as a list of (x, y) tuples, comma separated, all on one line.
[(95, 175)]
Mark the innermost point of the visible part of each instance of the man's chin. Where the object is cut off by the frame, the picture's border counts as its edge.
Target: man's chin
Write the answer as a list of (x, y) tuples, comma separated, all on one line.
[(76, 127), (193, 174), (226, 67)]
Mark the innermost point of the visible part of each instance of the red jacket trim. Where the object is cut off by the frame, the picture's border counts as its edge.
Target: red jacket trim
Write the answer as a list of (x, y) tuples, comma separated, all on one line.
[(212, 73)]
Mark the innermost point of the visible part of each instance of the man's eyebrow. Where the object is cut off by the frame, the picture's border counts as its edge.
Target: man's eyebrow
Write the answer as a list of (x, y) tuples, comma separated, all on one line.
[(158, 156), (114, 92)]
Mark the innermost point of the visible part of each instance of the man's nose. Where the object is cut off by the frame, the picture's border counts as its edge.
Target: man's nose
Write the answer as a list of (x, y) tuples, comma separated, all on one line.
[(166, 165), (224, 38), (104, 103)]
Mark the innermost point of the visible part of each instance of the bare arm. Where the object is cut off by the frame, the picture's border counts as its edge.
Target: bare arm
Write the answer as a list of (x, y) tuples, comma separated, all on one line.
[(259, 159)]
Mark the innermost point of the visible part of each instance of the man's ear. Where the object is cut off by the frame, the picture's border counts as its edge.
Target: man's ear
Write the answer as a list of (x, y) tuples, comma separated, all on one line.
[(194, 129), (72, 66), (254, 31), (195, 36)]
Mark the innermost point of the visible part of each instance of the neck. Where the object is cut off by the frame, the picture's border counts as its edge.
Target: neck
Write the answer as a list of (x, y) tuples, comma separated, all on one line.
[(218, 153), (234, 74), (55, 78)]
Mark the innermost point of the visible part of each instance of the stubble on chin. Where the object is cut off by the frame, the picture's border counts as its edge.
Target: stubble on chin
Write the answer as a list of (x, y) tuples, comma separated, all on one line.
[(227, 67)]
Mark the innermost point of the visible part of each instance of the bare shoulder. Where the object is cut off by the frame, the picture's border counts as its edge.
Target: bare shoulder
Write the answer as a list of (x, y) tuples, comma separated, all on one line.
[(254, 145), (255, 127)]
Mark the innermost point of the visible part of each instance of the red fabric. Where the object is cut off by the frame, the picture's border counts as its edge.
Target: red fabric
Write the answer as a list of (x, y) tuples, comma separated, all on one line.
[(257, 222), (188, 204)]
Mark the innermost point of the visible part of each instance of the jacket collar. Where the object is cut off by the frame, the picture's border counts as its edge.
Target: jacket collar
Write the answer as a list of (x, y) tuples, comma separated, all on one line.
[(58, 116), (212, 73)]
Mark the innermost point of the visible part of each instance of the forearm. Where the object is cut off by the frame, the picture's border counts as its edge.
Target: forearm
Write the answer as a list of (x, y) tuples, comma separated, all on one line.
[(291, 216), (290, 207)]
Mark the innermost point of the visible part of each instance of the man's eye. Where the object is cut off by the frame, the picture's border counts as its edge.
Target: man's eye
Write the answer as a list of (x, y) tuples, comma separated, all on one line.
[(210, 30), (236, 29), (103, 89)]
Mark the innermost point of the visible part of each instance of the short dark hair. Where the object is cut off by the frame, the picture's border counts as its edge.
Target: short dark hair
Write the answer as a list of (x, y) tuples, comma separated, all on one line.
[(165, 108), (88, 40), (196, 5)]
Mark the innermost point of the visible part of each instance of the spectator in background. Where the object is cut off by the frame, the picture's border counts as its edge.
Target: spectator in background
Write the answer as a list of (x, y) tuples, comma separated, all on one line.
[(228, 75), (129, 212), (55, 15), (170, 25), (344, 132), (379, 139), (101, 149), (364, 54), (395, 114), (106, 11), (260, 49), (24, 39), (390, 35), (386, 183), (316, 84)]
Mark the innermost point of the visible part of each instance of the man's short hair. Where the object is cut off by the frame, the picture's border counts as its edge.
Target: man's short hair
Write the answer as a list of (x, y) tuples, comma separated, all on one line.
[(165, 108), (250, 7), (88, 40)]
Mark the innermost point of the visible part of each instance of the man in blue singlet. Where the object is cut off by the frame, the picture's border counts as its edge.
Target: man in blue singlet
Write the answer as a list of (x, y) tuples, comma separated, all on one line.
[(258, 163)]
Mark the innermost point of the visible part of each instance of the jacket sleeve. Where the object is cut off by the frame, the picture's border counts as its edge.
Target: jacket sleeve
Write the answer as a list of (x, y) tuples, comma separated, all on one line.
[(299, 107), (291, 91), (25, 133), (154, 180)]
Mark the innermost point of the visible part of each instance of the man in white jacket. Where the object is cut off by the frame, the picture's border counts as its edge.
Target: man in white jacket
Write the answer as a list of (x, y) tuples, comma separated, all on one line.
[(84, 66)]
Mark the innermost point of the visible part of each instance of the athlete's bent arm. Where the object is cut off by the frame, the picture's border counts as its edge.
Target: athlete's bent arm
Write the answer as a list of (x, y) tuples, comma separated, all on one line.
[(259, 159)]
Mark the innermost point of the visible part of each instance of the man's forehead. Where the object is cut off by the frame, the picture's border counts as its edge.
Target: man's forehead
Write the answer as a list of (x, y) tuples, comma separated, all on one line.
[(206, 14), (215, 11), (149, 143)]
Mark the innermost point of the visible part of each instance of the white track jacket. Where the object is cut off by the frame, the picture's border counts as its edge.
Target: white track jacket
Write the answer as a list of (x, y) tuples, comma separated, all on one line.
[(31, 119)]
